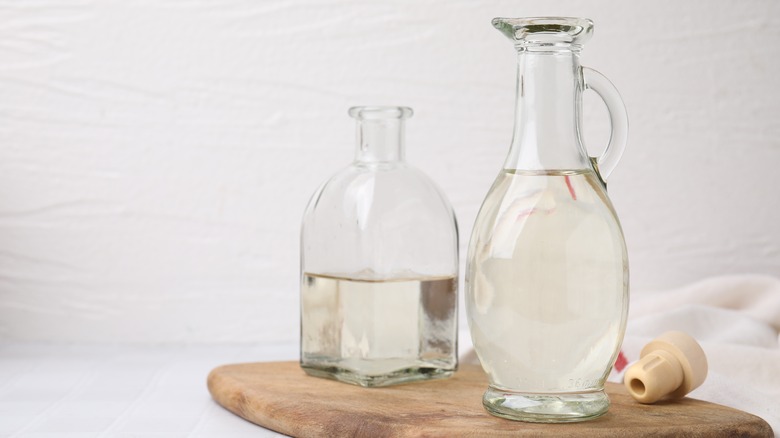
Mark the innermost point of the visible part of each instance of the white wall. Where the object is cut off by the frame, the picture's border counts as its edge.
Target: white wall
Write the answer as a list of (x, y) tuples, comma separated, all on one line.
[(156, 156)]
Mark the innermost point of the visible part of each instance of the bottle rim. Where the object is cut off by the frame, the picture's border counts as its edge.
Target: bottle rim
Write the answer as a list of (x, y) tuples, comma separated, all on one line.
[(545, 31), (380, 112)]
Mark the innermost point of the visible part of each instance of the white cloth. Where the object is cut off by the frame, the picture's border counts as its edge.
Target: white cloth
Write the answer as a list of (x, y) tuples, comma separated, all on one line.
[(736, 319)]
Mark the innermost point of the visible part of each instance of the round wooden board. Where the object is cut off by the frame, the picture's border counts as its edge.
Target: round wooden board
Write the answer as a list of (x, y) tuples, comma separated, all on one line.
[(280, 396)]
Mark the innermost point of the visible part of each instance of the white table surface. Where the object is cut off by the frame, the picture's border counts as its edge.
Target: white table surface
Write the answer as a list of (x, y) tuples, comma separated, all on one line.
[(69, 391)]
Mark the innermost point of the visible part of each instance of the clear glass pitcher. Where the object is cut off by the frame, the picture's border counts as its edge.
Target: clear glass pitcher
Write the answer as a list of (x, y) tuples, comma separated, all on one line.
[(547, 270), (379, 266)]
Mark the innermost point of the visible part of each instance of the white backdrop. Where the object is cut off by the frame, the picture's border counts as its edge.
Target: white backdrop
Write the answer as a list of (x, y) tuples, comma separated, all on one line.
[(156, 156)]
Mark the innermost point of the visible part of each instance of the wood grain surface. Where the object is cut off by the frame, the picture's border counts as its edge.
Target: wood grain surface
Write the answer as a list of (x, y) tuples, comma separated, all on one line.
[(280, 396)]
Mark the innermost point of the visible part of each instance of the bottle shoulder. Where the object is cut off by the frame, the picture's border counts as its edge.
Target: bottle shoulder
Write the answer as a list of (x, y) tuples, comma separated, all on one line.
[(394, 189), (390, 181)]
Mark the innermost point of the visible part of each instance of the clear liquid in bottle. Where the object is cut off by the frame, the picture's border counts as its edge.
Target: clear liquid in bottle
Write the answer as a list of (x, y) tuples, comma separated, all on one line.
[(378, 332), (547, 301)]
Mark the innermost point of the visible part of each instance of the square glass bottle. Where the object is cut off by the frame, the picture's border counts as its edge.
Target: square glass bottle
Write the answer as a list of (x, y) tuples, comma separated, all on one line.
[(379, 266)]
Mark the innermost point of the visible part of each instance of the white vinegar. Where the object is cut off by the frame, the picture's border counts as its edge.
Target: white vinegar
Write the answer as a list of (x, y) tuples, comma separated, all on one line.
[(378, 332), (547, 284)]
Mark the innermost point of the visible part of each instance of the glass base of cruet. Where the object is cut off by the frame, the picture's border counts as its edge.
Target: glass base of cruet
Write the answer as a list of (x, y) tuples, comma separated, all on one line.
[(546, 408)]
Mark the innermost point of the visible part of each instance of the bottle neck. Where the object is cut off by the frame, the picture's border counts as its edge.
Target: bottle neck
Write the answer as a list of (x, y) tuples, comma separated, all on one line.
[(548, 100), (380, 140)]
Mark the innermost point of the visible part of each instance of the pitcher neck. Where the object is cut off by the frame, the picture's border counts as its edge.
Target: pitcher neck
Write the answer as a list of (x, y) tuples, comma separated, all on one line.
[(547, 113), (380, 133)]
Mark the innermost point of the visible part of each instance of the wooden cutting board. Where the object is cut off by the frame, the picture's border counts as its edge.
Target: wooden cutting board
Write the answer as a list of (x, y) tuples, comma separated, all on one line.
[(280, 396)]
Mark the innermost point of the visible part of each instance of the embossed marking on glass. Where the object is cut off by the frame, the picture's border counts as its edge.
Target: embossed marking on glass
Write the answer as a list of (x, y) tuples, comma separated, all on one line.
[(547, 271)]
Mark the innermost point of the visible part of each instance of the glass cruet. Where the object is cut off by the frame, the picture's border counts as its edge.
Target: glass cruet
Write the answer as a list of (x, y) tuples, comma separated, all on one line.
[(379, 266), (547, 269)]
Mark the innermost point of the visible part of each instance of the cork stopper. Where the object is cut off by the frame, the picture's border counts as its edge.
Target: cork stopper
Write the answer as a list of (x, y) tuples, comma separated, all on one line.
[(671, 366)]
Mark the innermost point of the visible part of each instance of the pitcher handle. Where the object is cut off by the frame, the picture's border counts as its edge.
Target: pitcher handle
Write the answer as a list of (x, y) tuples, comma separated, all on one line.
[(606, 162)]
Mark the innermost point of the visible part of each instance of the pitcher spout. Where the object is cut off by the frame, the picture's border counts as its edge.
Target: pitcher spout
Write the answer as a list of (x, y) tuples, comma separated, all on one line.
[(546, 32)]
